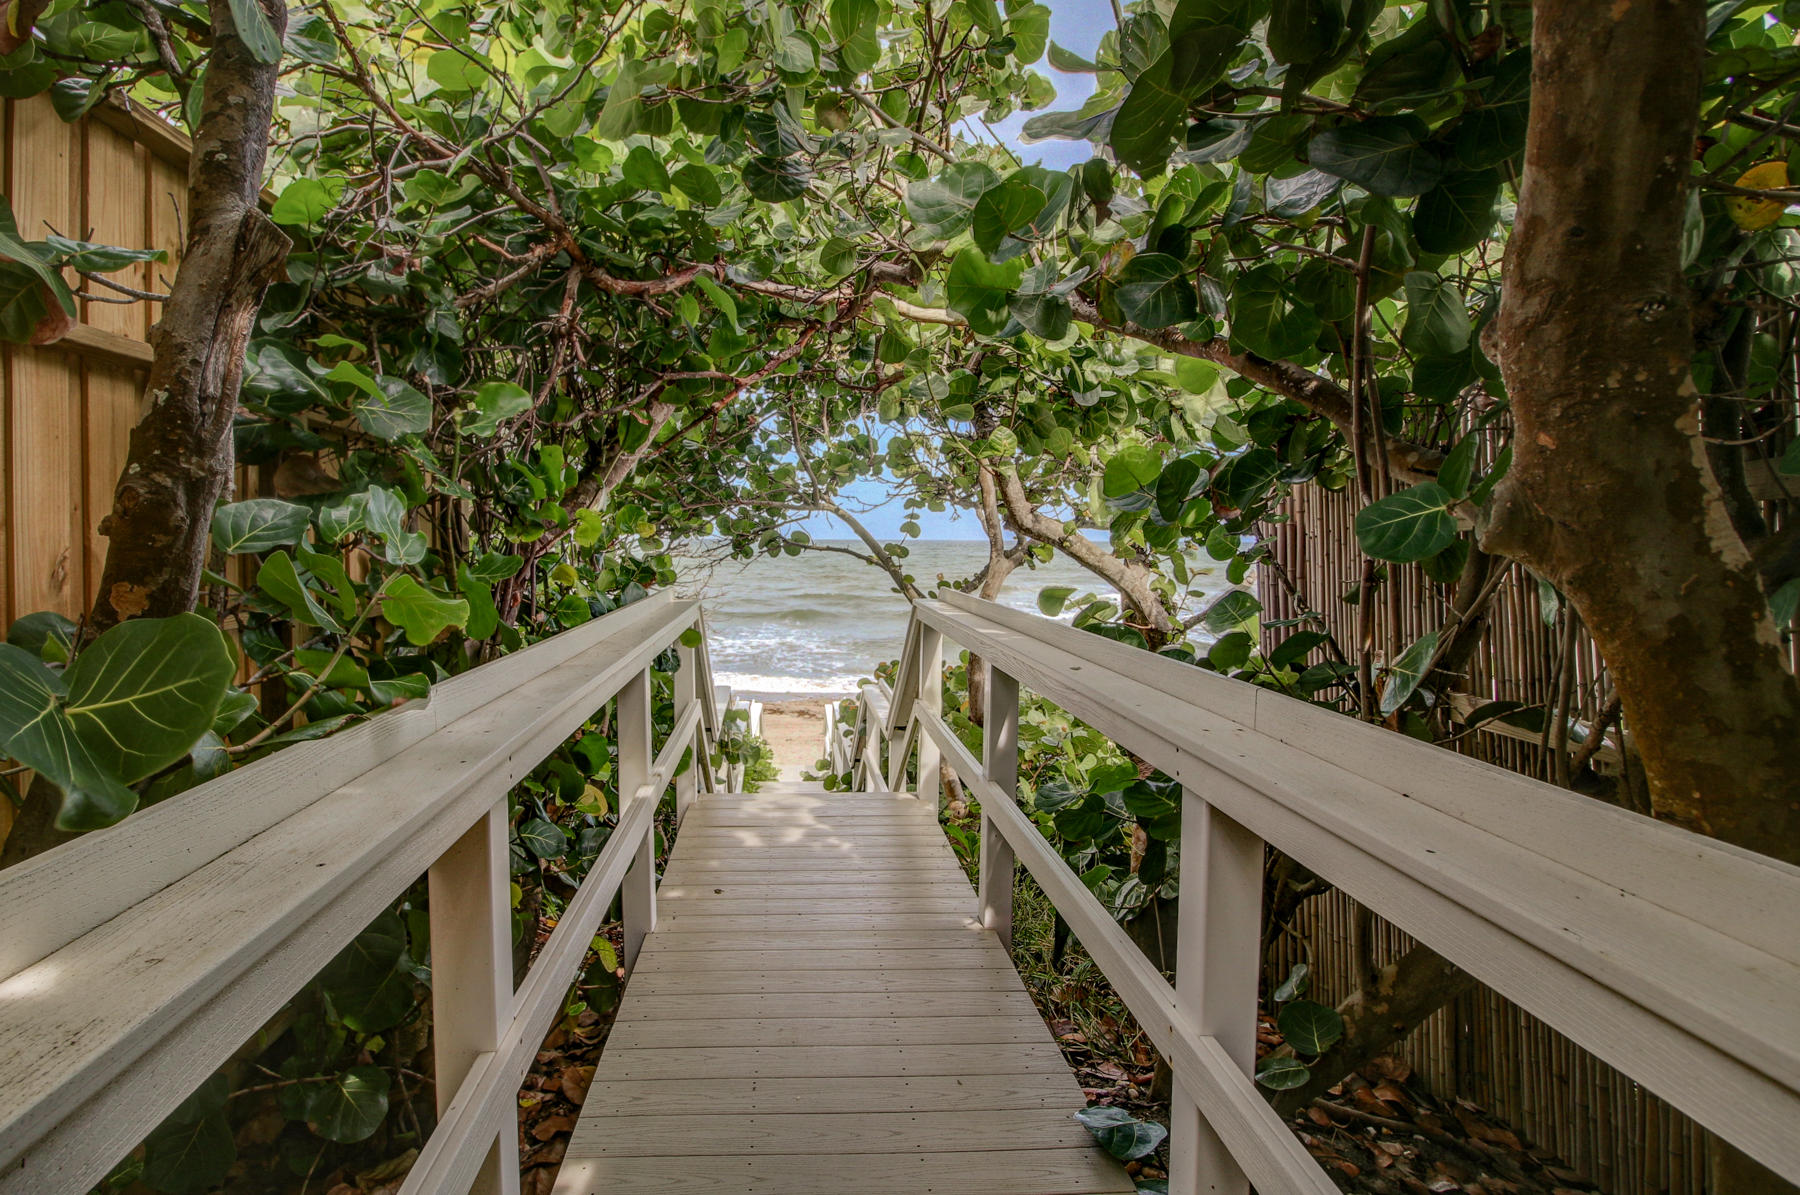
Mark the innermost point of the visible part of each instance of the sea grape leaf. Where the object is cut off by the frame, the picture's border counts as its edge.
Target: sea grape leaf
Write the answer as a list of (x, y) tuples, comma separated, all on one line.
[(1407, 672), (369, 984), (1309, 1027), (422, 613), (943, 206), (1283, 1074), (1003, 210), (142, 693), (258, 524), (1234, 611), (35, 731), (1153, 291), (978, 289), (1130, 469), (282, 581), (496, 401), (394, 409), (1385, 155), (1437, 322), (350, 1106), (1120, 1133), (1408, 526)]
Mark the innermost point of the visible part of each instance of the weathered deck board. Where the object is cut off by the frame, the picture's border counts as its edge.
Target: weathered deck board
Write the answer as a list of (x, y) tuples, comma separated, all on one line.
[(817, 1011)]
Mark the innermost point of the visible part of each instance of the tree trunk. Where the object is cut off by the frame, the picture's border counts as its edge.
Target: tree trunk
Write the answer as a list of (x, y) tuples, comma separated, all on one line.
[(1131, 578), (181, 455), (1610, 496), (1396, 1001)]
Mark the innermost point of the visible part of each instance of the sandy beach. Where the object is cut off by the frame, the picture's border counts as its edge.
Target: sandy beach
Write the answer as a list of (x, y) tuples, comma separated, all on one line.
[(795, 730)]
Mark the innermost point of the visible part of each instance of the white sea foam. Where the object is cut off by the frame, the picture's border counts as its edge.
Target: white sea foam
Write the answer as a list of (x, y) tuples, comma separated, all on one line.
[(764, 688), (811, 625)]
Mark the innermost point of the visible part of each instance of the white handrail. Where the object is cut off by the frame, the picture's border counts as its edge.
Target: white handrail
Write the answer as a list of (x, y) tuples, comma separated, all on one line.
[(1672, 957), (488, 1095), (253, 882)]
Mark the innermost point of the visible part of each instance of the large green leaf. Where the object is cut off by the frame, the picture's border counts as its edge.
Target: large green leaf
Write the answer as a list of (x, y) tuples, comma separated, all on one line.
[(304, 202), (254, 30), (1120, 1133), (192, 1150), (1437, 322), (281, 580), (135, 701), (350, 1106), (1457, 214), (1233, 611), (1265, 319), (1145, 129), (1302, 30), (1003, 210), (35, 731), (1386, 155), (1407, 672), (1408, 526), (776, 180), (258, 524), (1283, 1074), (143, 692), (22, 288), (384, 513), (22, 303), (979, 290), (853, 24), (1131, 468), (945, 205), (395, 409), (1309, 1027), (422, 613), (1494, 129), (1154, 291), (496, 401), (544, 839), (369, 983)]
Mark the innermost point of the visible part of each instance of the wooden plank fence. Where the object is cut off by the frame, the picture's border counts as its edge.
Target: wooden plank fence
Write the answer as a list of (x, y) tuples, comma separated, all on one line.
[(67, 409)]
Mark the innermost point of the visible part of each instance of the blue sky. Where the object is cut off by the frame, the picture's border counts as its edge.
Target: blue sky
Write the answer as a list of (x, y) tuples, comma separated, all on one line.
[(1075, 25)]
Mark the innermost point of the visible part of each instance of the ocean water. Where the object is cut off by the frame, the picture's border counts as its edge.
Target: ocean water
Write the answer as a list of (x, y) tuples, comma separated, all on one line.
[(811, 625)]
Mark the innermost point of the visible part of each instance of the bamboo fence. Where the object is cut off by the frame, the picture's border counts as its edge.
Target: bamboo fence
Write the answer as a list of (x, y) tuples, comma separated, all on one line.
[(1481, 1048)]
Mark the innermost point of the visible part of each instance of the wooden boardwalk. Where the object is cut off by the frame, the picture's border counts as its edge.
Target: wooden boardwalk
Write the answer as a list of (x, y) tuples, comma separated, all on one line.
[(816, 1011)]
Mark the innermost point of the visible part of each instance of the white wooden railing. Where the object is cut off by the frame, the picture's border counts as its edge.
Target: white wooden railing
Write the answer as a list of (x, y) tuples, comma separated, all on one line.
[(1672, 957), (136, 960)]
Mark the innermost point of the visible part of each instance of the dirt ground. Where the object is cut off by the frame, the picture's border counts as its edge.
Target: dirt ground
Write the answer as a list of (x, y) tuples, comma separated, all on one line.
[(795, 730)]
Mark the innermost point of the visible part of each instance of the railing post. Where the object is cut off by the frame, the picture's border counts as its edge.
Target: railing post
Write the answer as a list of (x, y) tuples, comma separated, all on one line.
[(1000, 763), (471, 973), (931, 701), (638, 894), (687, 785), (1218, 948)]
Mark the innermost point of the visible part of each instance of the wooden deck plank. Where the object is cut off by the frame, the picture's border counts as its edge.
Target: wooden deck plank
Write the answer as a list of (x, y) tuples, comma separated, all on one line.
[(785, 1006), (829, 1062), (999, 1172), (817, 1010), (918, 884), (833, 1133), (850, 903), (682, 982), (967, 937), (781, 923), (828, 1031), (821, 960), (814, 1097)]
